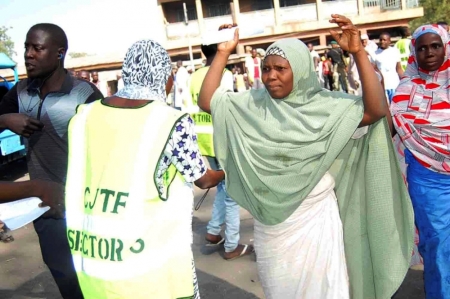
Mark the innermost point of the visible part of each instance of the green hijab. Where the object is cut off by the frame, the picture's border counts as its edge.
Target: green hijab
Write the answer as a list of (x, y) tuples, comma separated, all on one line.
[(274, 152)]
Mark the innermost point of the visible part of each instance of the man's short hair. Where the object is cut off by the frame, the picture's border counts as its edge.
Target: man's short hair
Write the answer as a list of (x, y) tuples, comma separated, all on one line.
[(386, 34), (404, 31), (442, 23), (209, 50), (56, 33)]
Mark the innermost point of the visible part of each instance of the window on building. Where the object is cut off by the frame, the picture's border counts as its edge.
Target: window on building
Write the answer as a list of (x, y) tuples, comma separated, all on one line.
[(191, 12), (284, 3), (262, 4), (219, 9)]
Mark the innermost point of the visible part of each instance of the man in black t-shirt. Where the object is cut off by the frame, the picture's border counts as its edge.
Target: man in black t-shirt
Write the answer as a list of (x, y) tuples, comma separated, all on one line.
[(39, 108), (337, 59)]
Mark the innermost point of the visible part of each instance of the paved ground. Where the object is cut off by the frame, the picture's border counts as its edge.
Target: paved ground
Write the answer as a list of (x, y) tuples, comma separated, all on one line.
[(23, 275)]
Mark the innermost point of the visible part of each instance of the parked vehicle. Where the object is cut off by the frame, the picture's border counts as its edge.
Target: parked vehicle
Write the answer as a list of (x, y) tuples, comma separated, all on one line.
[(12, 146)]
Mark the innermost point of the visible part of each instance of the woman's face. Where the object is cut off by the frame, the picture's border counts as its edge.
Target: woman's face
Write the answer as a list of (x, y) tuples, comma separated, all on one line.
[(277, 76), (430, 52)]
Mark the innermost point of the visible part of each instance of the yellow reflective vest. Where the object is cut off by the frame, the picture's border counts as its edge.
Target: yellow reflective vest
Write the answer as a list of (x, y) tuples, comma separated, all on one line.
[(403, 46), (203, 120), (129, 239)]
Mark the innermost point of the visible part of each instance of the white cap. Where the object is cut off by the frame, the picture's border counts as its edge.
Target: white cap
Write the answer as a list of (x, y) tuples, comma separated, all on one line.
[(364, 36)]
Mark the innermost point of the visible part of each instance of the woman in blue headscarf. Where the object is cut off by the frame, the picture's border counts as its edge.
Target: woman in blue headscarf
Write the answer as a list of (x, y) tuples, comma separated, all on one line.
[(421, 114)]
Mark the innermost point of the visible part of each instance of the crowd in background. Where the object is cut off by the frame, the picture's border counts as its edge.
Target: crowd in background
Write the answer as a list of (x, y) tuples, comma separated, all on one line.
[(335, 68)]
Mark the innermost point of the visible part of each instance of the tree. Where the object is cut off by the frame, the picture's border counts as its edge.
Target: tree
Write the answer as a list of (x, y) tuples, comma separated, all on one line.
[(433, 12), (6, 44), (77, 54)]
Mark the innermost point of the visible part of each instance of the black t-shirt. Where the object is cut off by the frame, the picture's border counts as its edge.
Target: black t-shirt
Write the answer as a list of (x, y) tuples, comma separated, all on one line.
[(336, 56), (47, 155)]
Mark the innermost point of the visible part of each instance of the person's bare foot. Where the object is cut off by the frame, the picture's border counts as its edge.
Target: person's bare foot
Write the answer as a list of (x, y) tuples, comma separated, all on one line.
[(240, 251)]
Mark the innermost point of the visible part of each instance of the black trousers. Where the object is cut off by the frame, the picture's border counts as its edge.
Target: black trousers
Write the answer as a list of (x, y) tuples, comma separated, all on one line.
[(56, 254), (328, 81), (343, 78)]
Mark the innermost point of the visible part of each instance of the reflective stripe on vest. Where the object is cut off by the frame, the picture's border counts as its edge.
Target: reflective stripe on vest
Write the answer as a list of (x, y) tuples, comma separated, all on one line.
[(204, 130), (203, 121)]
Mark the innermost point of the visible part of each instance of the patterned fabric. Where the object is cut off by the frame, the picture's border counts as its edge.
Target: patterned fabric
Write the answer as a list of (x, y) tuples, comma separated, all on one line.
[(182, 151), (276, 51), (421, 108), (145, 72), (400, 149), (196, 289)]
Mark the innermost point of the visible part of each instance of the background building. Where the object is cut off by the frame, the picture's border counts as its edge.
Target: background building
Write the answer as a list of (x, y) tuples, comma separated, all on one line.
[(271, 19), (303, 19)]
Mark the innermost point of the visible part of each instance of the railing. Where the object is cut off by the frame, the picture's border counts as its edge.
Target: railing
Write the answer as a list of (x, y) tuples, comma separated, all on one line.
[(390, 4), (371, 3), (343, 7), (178, 30), (298, 13)]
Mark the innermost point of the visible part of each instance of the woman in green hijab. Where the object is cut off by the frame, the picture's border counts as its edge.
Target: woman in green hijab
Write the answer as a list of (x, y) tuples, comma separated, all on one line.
[(332, 214)]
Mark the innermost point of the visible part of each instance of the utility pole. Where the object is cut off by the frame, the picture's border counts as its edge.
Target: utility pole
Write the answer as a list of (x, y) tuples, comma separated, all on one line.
[(186, 22), (240, 48)]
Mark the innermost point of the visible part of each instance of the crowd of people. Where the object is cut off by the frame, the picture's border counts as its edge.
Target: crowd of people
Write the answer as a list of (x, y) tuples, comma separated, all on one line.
[(314, 164), (242, 79), (93, 77)]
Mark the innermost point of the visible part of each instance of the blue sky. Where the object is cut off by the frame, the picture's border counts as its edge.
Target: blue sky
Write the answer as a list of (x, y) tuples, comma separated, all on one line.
[(92, 26)]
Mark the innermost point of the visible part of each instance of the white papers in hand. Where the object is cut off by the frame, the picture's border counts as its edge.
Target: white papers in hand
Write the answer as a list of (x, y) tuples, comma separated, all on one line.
[(220, 36), (224, 35), (19, 213)]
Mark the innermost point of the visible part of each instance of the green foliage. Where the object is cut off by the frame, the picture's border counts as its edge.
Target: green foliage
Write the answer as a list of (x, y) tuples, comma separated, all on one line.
[(6, 44), (434, 11)]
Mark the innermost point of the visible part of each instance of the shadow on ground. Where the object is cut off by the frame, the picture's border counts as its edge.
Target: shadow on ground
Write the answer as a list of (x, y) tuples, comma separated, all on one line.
[(41, 286)]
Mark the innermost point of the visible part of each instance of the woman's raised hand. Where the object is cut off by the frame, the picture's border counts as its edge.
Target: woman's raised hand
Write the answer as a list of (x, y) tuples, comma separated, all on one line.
[(230, 46), (349, 40)]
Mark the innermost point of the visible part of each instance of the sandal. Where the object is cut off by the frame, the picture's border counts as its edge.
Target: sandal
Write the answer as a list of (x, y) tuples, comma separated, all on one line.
[(248, 249), (214, 244)]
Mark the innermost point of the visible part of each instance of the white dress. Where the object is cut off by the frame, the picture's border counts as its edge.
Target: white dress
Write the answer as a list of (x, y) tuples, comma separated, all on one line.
[(303, 257)]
